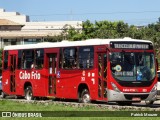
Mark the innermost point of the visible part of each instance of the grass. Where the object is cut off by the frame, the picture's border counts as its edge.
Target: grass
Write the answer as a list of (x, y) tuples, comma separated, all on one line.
[(7, 105)]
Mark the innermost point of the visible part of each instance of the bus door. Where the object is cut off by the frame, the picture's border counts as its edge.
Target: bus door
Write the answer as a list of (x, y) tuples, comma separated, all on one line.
[(102, 75), (12, 69), (52, 69)]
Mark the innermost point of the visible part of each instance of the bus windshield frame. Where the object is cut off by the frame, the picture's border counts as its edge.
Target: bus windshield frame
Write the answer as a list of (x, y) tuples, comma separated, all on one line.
[(133, 66)]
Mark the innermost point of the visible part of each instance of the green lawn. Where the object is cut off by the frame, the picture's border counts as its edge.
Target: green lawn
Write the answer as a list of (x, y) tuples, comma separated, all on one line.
[(7, 105)]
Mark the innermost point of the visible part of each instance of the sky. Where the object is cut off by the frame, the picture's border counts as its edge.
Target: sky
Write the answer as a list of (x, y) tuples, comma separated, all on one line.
[(136, 12)]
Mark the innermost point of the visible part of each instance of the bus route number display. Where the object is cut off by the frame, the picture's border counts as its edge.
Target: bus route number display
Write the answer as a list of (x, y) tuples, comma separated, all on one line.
[(137, 45)]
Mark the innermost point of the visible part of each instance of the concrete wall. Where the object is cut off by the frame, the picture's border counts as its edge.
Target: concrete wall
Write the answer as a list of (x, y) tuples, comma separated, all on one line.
[(14, 16)]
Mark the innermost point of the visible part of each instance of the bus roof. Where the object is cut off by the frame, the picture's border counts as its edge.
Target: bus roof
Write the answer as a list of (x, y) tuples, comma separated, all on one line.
[(66, 43)]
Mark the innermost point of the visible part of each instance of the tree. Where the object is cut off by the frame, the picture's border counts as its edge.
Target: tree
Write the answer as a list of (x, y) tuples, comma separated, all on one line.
[(88, 30), (70, 33), (105, 29), (57, 38), (156, 42), (122, 29)]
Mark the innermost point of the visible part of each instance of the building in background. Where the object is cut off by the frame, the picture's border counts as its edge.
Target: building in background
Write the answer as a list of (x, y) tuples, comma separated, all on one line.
[(16, 28)]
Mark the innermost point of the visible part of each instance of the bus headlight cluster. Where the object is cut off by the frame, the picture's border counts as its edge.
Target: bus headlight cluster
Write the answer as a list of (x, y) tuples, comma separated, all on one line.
[(154, 88), (115, 88)]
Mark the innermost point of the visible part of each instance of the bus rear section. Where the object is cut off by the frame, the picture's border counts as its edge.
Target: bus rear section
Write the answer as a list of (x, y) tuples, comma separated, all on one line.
[(132, 75), (20, 76), (8, 72)]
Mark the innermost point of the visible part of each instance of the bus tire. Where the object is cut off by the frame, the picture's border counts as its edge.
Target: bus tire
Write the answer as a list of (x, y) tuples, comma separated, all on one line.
[(85, 96), (29, 93)]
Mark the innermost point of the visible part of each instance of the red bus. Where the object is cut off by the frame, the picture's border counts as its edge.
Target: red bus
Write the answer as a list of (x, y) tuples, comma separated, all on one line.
[(111, 70)]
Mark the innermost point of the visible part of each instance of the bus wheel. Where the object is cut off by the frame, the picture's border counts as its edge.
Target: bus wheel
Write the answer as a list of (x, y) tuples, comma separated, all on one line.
[(149, 102), (28, 93), (85, 96), (3, 94)]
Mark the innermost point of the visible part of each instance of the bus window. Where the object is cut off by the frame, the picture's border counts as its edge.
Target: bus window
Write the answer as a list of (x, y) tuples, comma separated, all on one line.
[(69, 58), (86, 57), (105, 66), (23, 64), (19, 59), (39, 58), (27, 59), (60, 58), (5, 60)]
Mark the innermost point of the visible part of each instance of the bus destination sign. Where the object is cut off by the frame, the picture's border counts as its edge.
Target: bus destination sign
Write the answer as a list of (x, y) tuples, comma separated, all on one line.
[(129, 45)]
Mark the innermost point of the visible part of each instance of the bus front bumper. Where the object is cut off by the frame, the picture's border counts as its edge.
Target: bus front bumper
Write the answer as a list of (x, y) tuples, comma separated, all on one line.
[(135, 97)]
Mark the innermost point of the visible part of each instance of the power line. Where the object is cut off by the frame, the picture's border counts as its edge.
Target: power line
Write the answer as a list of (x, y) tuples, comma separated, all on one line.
[(97, 13), (72, 14)]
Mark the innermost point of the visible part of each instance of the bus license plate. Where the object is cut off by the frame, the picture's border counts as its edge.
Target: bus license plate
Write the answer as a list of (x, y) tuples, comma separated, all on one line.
[(136, 99)]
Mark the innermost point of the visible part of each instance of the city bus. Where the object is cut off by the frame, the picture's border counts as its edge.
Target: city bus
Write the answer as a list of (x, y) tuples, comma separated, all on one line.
[(110, 70)]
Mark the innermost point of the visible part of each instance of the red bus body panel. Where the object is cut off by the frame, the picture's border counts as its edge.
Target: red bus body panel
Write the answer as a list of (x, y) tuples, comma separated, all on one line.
[(67, 80)]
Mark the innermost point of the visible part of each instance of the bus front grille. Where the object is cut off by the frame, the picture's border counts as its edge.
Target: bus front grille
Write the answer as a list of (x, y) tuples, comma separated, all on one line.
[(130, 97)]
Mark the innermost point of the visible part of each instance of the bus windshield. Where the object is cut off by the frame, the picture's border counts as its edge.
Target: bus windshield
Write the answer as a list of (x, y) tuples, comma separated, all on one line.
[(133, 66)]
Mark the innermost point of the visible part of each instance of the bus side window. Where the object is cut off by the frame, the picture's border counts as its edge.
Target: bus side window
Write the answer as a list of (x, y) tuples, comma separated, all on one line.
[(105, 66), (19, 59), (39, 58), (23, 63), (27, 59), (86, 57), (70, 58), (60, 58), (5, 66)]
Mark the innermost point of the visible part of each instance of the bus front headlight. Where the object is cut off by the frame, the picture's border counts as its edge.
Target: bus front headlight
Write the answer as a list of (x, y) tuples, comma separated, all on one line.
[(115, 88), (154, 88)]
